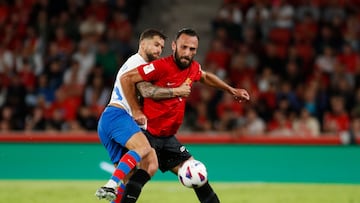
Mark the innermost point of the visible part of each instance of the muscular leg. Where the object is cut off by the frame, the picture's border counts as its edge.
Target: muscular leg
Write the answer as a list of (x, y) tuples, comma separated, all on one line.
[(138, 147), (150, 163), (139, 143), (148, 167)]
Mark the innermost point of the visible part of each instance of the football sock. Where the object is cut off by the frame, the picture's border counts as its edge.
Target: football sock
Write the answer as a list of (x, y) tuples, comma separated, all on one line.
[(134, 186), (126, 163), (120, 192), (206, 194)]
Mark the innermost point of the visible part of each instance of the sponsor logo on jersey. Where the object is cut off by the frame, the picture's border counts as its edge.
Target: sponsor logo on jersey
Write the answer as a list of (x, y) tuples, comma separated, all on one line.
[(148, 68)]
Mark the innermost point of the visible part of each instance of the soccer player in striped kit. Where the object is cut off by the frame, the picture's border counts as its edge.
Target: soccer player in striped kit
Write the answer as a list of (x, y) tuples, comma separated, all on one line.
[(119, 131)]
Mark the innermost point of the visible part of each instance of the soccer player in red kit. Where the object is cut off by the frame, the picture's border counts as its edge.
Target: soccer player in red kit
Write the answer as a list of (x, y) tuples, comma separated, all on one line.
[(164, 117)]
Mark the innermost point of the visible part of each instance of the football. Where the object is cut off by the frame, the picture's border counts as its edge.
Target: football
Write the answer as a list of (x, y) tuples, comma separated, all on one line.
[(192, 174)]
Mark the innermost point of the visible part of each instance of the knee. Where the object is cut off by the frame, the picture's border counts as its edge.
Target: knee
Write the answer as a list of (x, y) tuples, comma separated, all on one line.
[(147, 150), (143, 148), (139, 144), (150, 163), (154, 164), (153, 167)]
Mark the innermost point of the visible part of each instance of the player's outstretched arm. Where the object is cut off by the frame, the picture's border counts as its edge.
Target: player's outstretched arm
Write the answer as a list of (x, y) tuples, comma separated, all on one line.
[(148, 90), (212, 80)]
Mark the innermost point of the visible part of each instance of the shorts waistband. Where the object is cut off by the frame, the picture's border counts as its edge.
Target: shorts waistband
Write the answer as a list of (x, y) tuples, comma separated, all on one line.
[(115, 105)]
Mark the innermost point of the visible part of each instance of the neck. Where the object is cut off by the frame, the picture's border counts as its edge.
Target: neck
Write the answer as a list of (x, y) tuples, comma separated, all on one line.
[(143, 55)]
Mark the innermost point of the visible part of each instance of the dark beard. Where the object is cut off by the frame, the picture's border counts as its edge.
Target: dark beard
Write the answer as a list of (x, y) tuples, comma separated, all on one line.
[(151, 57), (181, 65)]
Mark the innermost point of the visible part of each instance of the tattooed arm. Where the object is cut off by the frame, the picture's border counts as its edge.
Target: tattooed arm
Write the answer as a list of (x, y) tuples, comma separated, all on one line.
[(148, 90)]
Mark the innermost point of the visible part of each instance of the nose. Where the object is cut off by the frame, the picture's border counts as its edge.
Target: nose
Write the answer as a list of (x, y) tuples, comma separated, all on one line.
[(187, 53)]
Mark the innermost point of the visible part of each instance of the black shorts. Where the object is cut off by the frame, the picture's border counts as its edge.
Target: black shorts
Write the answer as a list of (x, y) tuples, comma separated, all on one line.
[(170, 152)]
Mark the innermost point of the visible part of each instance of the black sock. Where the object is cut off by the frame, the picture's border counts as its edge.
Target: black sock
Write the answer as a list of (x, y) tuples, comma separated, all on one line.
[(134, 186), (206, 194)]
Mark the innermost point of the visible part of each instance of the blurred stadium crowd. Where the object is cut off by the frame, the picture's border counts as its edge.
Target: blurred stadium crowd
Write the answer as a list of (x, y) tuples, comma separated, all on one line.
[(299, 60), (58, 60)]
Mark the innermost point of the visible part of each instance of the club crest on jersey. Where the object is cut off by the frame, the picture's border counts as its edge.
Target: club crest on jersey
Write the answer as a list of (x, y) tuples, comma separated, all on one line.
[(148, 68)]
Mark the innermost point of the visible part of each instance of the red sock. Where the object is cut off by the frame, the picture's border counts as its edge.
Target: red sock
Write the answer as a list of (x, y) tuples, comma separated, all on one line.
[(120, 192), (126, 163)]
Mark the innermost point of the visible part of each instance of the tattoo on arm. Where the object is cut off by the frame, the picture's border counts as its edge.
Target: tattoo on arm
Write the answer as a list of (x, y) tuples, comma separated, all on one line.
[(148, 90)]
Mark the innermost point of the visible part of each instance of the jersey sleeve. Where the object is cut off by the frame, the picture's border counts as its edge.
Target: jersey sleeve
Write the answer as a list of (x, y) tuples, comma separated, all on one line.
[(197, 75), (151, 71)]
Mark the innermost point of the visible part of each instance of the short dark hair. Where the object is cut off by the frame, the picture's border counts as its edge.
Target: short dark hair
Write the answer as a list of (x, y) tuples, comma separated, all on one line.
[(187, 31), (150, 33)]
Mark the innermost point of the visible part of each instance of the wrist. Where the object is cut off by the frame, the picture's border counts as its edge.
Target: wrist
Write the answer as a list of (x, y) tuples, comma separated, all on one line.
[(135, 108), (174, 92)]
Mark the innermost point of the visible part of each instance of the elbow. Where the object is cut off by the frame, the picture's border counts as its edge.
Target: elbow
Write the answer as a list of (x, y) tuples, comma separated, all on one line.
[(145, 94), (130, 78)]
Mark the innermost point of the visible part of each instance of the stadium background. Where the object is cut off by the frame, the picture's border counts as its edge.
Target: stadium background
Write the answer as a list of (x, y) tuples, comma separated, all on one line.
[(298, 59)]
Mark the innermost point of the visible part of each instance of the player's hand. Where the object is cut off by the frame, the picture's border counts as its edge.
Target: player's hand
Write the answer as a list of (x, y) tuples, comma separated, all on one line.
[(241, 95), (139, 117), (184, 89)]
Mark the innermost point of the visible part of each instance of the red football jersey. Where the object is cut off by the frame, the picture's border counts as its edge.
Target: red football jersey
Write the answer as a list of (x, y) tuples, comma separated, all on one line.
[(165, 116)]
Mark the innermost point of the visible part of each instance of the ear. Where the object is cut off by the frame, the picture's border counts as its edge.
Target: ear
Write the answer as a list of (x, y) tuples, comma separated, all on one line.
[(142, 43), (173, 46)]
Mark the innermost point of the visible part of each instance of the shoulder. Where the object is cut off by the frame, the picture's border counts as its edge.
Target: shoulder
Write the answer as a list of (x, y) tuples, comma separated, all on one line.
[(164, 60), (132, 62), (196, 65), (135, 60), (163, 63)]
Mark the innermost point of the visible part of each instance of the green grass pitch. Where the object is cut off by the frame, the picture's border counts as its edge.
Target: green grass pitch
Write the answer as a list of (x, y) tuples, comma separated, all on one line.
[(47, 191)]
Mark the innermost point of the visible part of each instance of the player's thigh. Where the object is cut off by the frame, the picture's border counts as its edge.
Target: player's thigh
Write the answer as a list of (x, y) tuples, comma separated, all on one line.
[(172, 154), (115, 128), (116, 124), (115, 151), (139, 143)]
